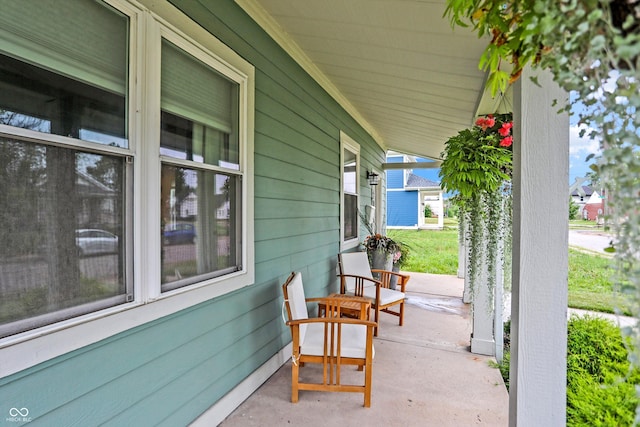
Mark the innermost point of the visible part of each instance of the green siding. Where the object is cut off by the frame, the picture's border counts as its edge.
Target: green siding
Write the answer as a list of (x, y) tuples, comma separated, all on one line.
[(169, 371)]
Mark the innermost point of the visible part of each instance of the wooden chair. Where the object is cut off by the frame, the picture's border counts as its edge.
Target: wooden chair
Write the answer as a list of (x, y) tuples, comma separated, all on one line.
[(332, 341), (356, 278)]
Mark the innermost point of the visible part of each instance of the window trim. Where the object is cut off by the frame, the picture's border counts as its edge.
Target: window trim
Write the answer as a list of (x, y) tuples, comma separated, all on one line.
[(348, 143), (147, 17)]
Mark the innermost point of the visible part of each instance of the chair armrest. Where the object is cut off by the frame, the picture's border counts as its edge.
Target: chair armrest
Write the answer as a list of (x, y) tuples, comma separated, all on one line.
[(343, 320), (402, 278), (361, 283)]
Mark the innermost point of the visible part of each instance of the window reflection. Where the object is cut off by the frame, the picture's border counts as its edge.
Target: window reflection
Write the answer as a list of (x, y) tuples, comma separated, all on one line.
[(198, 225), (40, 100), (62, 216)]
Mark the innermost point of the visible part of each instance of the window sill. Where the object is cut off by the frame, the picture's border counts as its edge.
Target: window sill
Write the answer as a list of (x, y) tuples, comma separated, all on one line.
[(30, 348)]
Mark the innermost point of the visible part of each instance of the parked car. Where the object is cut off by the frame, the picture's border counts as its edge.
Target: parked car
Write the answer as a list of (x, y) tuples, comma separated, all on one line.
[(92, 241), (179, 233)]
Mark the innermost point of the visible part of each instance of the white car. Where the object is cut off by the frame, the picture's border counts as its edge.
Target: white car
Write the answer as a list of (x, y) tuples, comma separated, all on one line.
[(91, 241)]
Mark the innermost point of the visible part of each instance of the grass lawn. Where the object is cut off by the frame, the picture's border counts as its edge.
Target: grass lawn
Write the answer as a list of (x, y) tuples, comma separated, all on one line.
[(590, 285), (432, 251)]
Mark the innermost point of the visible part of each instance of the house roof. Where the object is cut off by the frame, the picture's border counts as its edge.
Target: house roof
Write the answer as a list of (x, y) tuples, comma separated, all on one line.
[(415, 181), (586, 191), (397, 66)]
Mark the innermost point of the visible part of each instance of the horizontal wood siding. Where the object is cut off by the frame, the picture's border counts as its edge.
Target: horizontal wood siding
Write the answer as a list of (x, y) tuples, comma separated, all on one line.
[(169, 371), (395, 179), (402, 208)]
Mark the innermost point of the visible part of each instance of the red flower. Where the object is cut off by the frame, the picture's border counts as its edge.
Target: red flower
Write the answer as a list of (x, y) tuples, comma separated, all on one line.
[(486, 122), (506, 142), (504, 130)]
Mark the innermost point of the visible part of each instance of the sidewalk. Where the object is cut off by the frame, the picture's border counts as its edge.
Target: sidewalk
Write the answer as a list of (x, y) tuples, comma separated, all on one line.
[(423, 374)]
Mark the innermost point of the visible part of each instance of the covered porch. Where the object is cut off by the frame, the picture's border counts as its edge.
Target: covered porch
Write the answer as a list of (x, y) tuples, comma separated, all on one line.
[(423, 374)]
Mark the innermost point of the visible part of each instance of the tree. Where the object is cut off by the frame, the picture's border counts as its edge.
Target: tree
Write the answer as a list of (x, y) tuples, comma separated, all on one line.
[(573, 209)]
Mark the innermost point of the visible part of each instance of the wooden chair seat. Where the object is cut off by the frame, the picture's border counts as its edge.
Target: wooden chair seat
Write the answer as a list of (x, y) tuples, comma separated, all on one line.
[(354, 341), (331, 341)]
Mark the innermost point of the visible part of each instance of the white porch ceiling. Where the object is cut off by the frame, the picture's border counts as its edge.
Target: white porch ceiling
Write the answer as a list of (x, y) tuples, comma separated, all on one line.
[(396, 65)]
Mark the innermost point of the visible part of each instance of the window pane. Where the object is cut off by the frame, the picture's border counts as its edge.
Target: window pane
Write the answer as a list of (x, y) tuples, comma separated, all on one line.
[(186, 140), (350, 217), (200, 111), (200, 212), (61, 228), (349, 179), (63, 69), (36, 99)]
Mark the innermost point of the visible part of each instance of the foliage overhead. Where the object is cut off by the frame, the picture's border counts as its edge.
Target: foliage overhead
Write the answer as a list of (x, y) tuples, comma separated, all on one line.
[(478, 159), (592, 49), (477, 165)]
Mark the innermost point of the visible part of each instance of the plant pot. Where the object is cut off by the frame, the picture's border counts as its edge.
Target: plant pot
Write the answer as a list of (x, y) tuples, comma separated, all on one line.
[(393, 281), (380, 260)]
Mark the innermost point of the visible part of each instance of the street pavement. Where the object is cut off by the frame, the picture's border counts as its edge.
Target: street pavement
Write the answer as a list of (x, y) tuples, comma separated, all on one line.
[(591, 240)]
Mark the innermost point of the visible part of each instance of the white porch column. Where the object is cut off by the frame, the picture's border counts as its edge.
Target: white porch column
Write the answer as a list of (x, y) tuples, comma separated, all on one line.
[(540, 255), (441, 216), (482, 339)]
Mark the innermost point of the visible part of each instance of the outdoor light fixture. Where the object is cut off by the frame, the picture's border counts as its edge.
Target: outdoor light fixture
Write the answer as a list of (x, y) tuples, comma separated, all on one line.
[(372, 177)]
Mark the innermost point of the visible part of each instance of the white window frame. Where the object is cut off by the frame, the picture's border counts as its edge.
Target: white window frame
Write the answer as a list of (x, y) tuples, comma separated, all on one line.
[(149, 20), (348, 143)]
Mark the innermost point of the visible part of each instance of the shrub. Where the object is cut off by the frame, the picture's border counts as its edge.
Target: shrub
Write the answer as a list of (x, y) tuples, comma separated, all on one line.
[(600, 381)]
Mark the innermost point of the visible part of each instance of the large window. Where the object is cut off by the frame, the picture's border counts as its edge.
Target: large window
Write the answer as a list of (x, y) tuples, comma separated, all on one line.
[(200, 194), (118, 188), (63, 201), (350, 170)]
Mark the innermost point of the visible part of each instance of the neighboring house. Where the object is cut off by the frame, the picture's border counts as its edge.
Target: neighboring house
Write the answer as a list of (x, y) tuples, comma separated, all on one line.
[(593, 209), (580, 195), (589, 201), (408, 192)]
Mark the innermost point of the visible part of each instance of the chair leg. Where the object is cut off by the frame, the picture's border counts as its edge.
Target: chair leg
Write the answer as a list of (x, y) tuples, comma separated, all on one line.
[(294, 382), (367, 385), (401, 313), (377, 315)]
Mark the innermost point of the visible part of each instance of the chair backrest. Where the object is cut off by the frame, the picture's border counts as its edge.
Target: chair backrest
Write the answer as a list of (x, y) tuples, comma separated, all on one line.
[(357, 264), (295, 300)]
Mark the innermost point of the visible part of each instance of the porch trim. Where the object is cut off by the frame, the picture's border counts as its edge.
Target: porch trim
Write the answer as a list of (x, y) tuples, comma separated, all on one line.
[(275, 31)]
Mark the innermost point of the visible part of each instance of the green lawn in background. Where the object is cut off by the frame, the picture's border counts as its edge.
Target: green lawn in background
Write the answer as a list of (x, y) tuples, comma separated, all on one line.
[(590, 284), (432, 251)]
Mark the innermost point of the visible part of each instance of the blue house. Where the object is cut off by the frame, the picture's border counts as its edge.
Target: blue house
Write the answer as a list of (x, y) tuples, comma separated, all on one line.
[(410, 191)]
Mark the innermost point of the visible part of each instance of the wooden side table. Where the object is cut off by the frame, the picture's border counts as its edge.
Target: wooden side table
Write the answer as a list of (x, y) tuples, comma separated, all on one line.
[(357, 309)]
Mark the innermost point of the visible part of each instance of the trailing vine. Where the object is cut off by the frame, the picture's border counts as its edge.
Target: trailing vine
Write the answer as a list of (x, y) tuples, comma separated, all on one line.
[(477, 164), (592, 48)]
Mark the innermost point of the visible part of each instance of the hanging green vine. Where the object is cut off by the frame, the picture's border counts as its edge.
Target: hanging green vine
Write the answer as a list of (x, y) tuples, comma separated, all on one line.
[(591, 47), (477, 163)]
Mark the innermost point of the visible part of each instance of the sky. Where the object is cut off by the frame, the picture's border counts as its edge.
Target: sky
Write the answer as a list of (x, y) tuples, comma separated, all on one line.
[(579, 149)]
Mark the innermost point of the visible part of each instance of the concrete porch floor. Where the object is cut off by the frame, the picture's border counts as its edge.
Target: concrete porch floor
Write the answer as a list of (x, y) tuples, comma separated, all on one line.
[(423, 374)]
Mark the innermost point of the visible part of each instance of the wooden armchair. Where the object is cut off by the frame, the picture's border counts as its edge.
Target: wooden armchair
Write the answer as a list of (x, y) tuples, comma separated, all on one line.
[(332, 341), (356, 278)]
